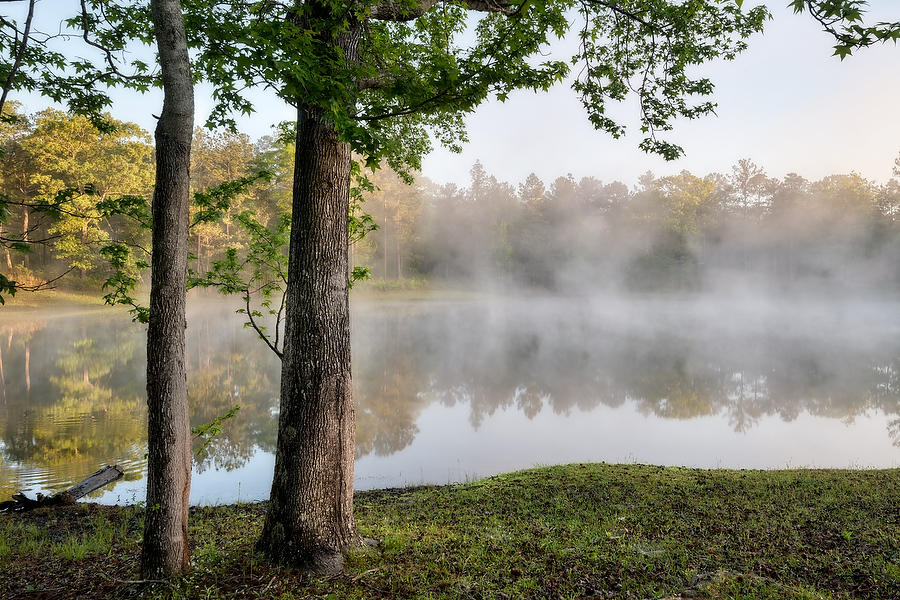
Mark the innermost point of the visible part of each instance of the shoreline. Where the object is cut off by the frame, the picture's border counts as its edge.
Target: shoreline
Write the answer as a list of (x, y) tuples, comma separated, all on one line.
[(574, 531)]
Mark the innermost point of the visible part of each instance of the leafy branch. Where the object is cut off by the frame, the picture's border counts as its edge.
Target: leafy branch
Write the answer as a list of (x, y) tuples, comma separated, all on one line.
[(261, 273), (213, 204), (209, 431), (844, 20)]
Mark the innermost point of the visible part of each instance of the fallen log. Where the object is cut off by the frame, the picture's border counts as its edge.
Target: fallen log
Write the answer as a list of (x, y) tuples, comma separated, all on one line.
[(95, 481)]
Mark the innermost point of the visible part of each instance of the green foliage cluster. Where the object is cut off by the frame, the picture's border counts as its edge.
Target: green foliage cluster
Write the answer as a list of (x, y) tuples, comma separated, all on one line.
[(844, 20), (208, 432), (423, 66), (83, 195), (36, 61), (73, 189)]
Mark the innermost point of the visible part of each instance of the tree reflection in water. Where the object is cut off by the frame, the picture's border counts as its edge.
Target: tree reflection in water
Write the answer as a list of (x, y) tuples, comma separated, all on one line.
[(72, 387)]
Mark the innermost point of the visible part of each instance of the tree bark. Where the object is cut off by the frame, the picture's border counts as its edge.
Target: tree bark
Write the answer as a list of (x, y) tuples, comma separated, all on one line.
[(165, 551), (9, 265), (309, 522), (2, 378), (384, 247), (397, 235), (25, 226)]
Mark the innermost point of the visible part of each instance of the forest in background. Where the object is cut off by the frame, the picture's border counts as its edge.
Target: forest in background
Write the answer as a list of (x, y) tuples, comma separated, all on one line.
[(680, 232)]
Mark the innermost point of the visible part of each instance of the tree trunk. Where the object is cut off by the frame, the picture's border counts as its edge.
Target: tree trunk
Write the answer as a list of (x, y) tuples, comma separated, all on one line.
[(25, 225), (399, 257), (9, 266), (2, 378), (165, 551), (309, 522), (384, 246)]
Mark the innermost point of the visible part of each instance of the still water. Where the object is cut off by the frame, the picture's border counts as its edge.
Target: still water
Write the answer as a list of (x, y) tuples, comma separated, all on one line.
[(453, 390)]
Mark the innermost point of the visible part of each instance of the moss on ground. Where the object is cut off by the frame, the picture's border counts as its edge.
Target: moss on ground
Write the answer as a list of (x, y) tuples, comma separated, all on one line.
[(577, 531)]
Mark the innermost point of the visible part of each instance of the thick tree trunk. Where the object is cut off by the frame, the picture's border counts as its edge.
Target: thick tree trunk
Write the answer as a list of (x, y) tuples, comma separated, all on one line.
[(309, 522), (165, 551)]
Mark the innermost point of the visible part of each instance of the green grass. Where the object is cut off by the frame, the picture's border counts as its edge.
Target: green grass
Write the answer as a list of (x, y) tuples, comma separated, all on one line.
[(53, 298), (72, 534), (579, 531)]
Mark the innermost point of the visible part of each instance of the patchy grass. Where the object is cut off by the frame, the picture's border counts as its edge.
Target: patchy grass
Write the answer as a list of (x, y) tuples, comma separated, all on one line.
[(579, 531)]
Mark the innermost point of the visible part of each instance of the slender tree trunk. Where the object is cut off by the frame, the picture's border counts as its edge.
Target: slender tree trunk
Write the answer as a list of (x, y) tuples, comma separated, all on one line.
[(2, 378), (19, 49), (9, 266), (165, 551), (384, 245), (25, 225), (399, 258), (309, 522)]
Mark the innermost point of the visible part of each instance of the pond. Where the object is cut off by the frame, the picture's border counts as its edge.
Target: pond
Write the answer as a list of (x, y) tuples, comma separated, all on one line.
[(453, 390)]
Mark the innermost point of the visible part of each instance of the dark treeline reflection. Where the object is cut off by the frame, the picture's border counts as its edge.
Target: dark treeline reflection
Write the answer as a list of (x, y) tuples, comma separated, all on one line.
[(72, 388), (672, 359)]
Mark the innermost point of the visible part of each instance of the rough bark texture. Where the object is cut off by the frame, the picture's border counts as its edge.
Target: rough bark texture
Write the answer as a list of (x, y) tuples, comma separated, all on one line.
[(309, 523), (165, 551)]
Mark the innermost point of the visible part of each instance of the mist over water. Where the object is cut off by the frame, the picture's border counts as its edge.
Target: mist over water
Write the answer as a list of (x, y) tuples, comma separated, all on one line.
[(726, 321), (450, 388)]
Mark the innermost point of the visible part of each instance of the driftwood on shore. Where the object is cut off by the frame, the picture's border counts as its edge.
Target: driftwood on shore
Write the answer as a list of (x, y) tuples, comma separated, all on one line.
[(95, 481)]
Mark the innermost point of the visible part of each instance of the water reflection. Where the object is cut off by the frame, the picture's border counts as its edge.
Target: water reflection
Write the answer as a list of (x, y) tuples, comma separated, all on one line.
[(543, 356), (71, 387), (72, 400)]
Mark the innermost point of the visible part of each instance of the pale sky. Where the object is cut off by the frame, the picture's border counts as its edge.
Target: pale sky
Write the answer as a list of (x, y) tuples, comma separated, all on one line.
[(785, 103)]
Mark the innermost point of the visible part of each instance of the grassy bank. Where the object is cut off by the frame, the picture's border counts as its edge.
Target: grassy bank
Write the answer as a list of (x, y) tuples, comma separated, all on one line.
[(579, 531), (379, 291), (25, 301)]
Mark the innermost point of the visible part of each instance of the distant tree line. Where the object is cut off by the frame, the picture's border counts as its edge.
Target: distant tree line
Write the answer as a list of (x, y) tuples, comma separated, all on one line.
[(675, 233), (59, 175)]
